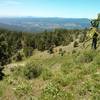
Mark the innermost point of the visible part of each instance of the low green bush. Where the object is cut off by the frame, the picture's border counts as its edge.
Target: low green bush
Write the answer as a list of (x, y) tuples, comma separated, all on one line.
[(96, 96), (67, 67), (32, 71), (82, 37), (62, 80), (22, 89), (97, 59), (54, 92), (28, 51), (1, 91), (74, 51), (75, 44), (46, 74), (17, 57), (86, 70), (87, 56), (1, 72), (17, 71), (62, 52)]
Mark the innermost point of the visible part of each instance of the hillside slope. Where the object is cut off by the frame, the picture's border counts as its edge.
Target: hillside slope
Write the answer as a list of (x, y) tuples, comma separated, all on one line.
[(73, 76)]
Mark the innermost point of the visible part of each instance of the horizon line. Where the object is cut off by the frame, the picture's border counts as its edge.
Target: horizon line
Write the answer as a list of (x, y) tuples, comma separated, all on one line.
[(43, 17)]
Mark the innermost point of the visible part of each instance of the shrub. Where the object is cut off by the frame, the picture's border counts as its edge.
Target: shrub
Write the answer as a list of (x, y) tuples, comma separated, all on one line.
[(28, 51), (89, 87), (32, 71), (17, 57), (65, 80), (74, 51), (22, 89), (86, 70), (97, 59), (1, 91), (46, 74), (50, 50), (18, 71), (87, 56), (96, 76), (82, 38), (67, 67), (61, 52), (75, 44), (62, 80), (1, 73), (96, 96), (53, 92)]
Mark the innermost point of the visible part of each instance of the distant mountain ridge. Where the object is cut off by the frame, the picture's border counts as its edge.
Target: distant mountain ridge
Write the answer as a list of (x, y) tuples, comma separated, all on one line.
[(32, 24)]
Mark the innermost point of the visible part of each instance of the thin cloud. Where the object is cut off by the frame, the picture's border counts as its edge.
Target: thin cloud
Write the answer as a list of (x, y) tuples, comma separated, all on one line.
[(10, 2), (13, 2)]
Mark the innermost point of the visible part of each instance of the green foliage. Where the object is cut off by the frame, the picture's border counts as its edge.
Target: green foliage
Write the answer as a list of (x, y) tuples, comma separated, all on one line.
[(61, 79), (17, 71), (66, 79), (96, 96), (19, 57), (82, 37), (74, 51), (88, 69), (61, 52), (4, 53), (1, 91), (50, 50), (22, 89), (32, 71), (53, 92), (98, 16), (97, 59), (3, 86), (11, 42), (75, 44), (1, 73), (59, 37), (70, 77), (87, 56), (95, 23), (46, 74), (67, 67), (28, 51)]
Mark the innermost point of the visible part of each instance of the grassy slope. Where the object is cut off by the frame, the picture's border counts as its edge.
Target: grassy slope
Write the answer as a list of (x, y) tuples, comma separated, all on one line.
[(74, 76)]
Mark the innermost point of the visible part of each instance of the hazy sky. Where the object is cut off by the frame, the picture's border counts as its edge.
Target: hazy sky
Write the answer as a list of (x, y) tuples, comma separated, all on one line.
[(50, 8)]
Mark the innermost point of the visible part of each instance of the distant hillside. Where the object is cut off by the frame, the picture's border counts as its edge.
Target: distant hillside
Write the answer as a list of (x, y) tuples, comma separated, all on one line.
[(40, 24)]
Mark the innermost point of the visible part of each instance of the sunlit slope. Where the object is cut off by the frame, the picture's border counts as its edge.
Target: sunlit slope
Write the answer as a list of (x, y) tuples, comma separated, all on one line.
[(44, 76)]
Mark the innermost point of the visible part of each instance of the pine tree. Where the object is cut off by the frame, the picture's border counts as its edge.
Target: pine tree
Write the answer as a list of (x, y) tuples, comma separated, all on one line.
[(3, 54)]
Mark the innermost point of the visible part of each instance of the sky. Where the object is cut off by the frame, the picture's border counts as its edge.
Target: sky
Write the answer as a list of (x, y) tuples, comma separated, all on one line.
[(50, 8)]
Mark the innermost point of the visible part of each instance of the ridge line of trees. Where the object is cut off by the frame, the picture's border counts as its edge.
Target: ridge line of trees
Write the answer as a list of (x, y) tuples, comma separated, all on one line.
[(18, 45)]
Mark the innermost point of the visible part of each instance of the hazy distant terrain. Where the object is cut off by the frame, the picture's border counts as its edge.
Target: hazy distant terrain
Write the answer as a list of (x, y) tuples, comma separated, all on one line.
[(31, 24)]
